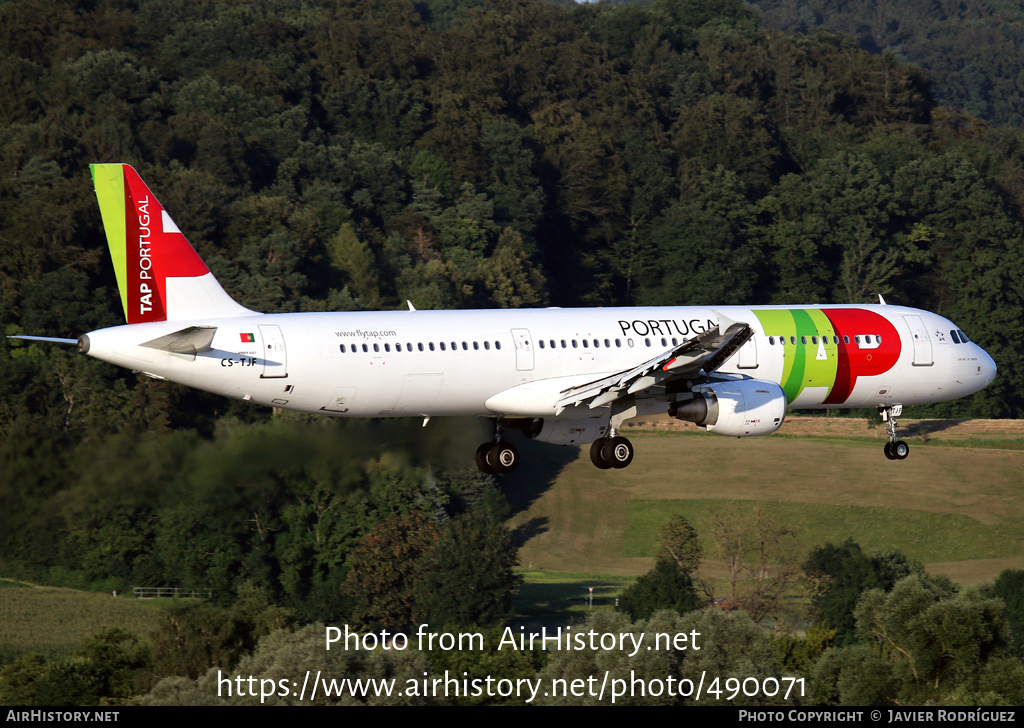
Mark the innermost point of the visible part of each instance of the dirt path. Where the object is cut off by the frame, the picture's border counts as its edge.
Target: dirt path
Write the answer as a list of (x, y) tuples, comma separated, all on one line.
[(860, 427)]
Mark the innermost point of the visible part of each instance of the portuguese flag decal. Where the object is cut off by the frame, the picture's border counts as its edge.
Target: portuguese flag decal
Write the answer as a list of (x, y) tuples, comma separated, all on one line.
[(247, 338)]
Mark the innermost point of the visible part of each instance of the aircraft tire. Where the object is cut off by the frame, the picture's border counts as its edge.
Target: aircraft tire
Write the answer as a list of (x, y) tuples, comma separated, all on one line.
[(481, 458), (618, 451), (900, 450), (596, 456), (503, 457), (888, 451)]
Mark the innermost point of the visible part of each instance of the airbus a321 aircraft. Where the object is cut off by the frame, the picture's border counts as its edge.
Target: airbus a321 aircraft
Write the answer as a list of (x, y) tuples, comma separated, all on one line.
[(564, 376)]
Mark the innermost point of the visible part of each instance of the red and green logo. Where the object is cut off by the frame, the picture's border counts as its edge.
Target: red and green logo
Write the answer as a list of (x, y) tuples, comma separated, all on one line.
[(814, 359)]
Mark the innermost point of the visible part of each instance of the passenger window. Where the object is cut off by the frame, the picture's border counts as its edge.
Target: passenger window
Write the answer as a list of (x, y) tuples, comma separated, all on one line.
[(487, 345), (803, 339), (647, 341), (814, 339), (497, 344), (563, 343), (541, 342), (431, 345), (607, 344), (575, 344), (476, 346), (365, 348), (442, 346), (342, 348)]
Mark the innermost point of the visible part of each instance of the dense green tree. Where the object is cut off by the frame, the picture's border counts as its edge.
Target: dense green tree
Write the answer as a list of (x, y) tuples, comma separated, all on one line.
[(928, 644), (706, 246), (384, 569), (839, 575), (1010, 588), (666, 586), (467, 576), (108, 668), (284, 654), (680, 542)]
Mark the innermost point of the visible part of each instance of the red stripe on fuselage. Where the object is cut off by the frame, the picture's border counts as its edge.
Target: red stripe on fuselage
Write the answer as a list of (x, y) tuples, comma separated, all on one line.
[(854, 360)]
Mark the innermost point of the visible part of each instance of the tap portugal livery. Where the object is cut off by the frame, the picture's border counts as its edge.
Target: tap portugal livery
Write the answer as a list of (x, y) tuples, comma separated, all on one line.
[(565, 376)]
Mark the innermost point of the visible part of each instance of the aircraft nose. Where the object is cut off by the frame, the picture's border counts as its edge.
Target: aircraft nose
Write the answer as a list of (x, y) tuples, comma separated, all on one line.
[(986, 367)]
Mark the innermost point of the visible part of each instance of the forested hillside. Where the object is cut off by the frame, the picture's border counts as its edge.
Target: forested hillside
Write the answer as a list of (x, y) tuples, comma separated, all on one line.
[(347, 155), (971, 50), (356, 154)]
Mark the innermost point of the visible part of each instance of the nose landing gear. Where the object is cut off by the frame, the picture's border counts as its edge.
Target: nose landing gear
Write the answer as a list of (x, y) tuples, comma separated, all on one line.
[(894, 449)]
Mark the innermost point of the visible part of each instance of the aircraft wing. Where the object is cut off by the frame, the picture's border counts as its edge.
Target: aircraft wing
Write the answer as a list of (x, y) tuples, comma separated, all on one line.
[(694, 358)]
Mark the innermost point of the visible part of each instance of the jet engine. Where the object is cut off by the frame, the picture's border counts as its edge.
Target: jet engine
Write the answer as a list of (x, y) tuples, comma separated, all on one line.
[(741, 408)]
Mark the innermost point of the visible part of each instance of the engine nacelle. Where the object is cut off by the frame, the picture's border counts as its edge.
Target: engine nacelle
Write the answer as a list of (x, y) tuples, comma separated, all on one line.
[(742, 408), (578, 431)]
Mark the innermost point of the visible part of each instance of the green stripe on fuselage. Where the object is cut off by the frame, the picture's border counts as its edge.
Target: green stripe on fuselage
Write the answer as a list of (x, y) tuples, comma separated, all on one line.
[(804, 364), (779, 323)]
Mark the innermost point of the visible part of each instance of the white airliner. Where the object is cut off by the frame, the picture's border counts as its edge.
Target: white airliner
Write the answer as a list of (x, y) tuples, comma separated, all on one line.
[(565, 376)]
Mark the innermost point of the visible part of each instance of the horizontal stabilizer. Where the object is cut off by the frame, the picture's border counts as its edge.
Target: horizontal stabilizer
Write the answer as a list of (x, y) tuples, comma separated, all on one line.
[(193, 340)]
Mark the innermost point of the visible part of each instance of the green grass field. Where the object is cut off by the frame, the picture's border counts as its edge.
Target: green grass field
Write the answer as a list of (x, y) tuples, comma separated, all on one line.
[(54, 621), (955, 504)]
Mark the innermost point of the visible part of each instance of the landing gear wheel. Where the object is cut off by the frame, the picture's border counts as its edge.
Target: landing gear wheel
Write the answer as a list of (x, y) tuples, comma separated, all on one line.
[(595, 453), (894, 449), (481, 458), (503, 457), (618, 451)]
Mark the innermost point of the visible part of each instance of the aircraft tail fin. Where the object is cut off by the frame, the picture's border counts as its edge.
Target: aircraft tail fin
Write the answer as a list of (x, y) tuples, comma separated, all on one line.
[(159, 274)]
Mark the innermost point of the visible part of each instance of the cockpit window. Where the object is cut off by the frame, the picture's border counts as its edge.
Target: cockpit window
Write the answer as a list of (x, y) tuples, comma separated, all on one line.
[(963, 336), (954, 337)]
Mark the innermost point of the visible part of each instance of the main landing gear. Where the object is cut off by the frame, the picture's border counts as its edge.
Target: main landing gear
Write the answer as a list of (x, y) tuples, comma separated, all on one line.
[(611, 452), (894, 449), (497, 457), (615, 451)]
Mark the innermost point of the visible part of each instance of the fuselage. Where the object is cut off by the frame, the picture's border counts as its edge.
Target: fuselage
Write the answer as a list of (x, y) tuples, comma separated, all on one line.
[(433, 363)]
